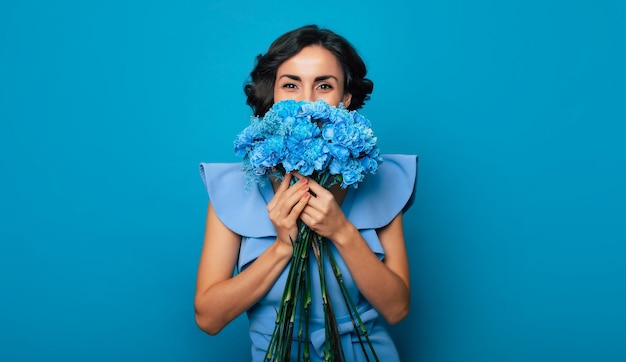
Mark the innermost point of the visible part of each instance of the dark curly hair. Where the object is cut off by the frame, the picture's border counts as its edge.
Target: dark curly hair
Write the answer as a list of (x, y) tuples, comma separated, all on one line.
[(260, 88)]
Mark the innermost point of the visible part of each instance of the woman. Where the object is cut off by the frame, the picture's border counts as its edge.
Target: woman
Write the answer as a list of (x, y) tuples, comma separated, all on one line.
[(252, 232)]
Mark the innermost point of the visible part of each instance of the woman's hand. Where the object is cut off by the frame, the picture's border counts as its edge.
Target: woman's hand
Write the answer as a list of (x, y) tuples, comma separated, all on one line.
[(323, 214), (286, 207)]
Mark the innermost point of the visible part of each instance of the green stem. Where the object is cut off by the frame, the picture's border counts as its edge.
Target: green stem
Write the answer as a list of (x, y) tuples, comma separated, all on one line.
[(279, 347), (352, 309), (333, 350), (307, 308)]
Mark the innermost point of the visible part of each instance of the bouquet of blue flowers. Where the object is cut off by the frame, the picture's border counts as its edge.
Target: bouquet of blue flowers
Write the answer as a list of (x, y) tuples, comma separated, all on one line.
[(333, 146)]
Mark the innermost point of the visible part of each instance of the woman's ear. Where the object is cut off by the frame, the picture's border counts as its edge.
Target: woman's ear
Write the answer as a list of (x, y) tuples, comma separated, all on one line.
[(347, 97)]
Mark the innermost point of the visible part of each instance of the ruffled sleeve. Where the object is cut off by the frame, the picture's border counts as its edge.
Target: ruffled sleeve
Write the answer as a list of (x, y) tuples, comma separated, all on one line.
[(243, 212), (382, 196)]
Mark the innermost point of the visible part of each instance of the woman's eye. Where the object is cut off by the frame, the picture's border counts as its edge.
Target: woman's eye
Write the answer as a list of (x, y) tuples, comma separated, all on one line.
[(289, 85), (325, 86)]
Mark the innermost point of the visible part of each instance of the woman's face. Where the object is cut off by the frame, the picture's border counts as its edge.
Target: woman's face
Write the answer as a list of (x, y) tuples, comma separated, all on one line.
[(314, 73)]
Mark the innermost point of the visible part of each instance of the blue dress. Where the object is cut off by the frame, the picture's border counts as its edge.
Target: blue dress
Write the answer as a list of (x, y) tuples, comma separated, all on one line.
[(374, 204)]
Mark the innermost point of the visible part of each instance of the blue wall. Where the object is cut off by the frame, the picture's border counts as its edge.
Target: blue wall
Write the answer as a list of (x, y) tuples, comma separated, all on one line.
[(517, 110)]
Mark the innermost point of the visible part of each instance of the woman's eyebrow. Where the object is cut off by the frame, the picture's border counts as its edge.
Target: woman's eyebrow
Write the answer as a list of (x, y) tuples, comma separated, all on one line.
[(290, 76), (317, 79), (326, 77)]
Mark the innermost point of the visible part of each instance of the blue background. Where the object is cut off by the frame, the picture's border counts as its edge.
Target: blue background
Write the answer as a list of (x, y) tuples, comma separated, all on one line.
[(516, 109)]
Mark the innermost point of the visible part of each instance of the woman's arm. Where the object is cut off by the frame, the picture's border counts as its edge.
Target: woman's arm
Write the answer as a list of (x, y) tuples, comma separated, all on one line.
[(385, 284), (220, 297)]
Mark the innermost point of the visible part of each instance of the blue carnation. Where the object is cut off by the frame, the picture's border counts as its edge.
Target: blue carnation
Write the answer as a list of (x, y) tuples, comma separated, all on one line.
[(352, 173), (285, 108), (319, 110), (339, 151), (303, 129), (244, 141), (359, 119), (269, 153)]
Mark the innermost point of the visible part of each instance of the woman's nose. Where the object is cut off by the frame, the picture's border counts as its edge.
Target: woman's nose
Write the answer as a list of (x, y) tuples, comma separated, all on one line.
[(307, 95)]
